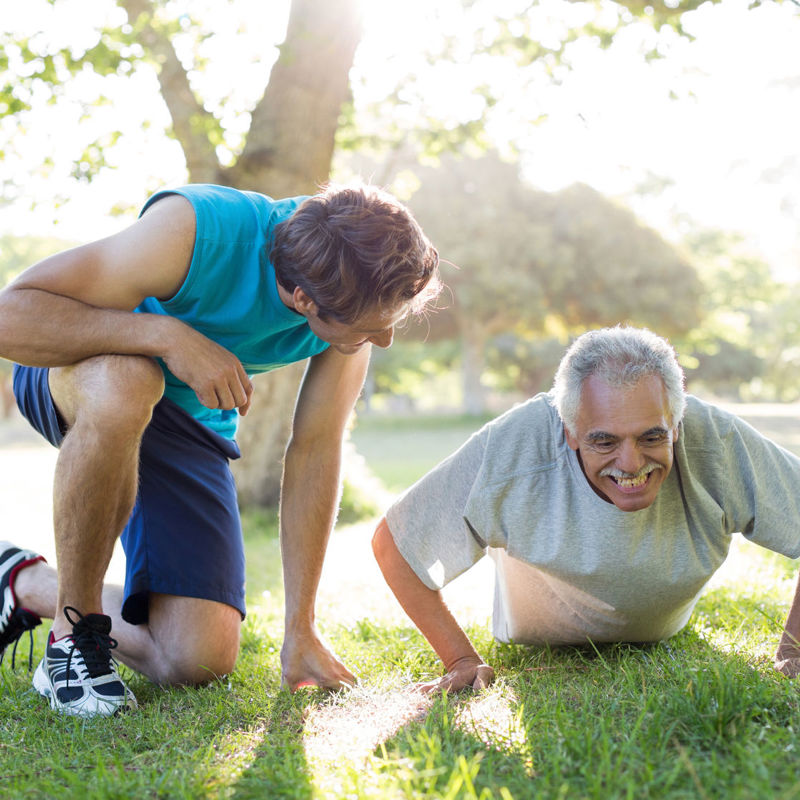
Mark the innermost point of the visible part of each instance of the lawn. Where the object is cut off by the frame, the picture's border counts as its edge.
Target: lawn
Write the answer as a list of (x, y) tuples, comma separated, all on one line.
[(701, 716), (401, 450)]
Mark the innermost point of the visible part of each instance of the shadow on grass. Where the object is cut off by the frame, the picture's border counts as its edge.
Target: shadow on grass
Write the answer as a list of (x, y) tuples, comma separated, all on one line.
[(181, 743)]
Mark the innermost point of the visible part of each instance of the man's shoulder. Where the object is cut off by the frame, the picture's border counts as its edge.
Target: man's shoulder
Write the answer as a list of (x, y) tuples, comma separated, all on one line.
[(528, 437), (228, 202), (707, 425), (700, 413)]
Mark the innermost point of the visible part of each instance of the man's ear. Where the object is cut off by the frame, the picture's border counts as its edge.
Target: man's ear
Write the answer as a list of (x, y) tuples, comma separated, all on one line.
[(303, 304), (571, 440), (675, 432)]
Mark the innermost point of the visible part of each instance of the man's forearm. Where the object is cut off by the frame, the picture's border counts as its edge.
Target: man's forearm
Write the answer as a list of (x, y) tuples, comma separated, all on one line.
[(789, 646), (38, 328), (424, 606), (309, 495)]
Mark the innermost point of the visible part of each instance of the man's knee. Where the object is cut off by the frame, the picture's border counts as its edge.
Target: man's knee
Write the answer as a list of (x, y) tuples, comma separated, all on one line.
[(198, 669), (121, 390), (198, 640)]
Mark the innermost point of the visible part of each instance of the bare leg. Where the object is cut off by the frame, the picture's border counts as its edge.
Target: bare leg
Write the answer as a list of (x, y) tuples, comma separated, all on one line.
[(106, 403), (187, 640)]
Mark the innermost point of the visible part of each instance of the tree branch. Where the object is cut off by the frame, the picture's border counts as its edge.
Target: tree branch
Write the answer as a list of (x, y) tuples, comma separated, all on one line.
[(186, 112)]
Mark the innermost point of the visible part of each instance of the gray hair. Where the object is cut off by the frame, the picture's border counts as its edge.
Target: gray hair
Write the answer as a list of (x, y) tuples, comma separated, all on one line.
[(620, 356)]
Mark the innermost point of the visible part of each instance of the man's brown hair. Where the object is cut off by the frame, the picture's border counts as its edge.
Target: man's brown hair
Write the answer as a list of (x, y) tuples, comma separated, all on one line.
[(353, 250)]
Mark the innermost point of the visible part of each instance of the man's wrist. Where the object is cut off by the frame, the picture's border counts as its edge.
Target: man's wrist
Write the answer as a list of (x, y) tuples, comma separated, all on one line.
[(465, 660), (299, 624), (161, 333)]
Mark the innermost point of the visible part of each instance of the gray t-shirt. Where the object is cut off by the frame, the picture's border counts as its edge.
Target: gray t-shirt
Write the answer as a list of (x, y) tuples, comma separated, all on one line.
[(571, 566)]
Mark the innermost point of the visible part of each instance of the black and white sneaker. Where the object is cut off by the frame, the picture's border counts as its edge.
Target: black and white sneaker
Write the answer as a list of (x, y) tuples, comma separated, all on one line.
[(14, 620), (78, 674)]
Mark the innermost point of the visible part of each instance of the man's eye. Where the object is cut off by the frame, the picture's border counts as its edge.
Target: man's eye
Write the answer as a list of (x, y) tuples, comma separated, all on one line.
[(655, 439), (603, 444)]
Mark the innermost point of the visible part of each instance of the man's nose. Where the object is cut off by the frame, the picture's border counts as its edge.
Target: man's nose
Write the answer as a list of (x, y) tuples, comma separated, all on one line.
[(383, 339), (630, 458)]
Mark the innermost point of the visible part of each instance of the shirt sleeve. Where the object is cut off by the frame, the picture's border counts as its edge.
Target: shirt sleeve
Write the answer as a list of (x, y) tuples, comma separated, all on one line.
[(755, 482), (763, 491), (427, 521)]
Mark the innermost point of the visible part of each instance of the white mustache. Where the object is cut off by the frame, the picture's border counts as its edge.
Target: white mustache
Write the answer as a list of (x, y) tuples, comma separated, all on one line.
[(618, 473)]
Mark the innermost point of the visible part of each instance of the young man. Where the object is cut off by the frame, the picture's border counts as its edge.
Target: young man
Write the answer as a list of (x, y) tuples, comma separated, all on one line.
[(138, 350), (607, 505)]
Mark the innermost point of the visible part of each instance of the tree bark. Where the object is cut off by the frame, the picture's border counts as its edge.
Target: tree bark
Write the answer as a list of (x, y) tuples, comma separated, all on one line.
[(292, 134), (262, 438), (288, 152)]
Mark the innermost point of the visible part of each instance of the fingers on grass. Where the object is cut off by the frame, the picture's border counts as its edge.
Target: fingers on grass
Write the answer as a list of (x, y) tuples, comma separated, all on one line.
[(788, 666), (483, 677)]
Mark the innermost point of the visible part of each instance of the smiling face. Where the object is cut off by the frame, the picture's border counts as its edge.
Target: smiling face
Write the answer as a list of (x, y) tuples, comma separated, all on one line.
[(624, 440)]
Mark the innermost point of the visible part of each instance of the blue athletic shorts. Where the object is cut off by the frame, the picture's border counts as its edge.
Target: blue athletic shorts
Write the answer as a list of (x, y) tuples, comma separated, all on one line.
[(184, 536)]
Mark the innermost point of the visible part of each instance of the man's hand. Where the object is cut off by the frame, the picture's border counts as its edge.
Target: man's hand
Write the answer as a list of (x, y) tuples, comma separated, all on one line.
[(466, 673), (216, 375), (787, 656), (788, 666), (305, 661)]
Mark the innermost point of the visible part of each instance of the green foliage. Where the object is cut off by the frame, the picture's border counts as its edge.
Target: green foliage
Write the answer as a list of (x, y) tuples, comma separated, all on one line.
[(536, 38), (531, 257), (748, 343), (20, 252), (94, 157), (524, 363), (40, 66), (610, 268), (407, 367), (524, 265)]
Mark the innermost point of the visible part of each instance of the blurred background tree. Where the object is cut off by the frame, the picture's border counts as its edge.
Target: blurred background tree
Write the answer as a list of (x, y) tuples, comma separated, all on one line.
[(522, 264), (527, 268)]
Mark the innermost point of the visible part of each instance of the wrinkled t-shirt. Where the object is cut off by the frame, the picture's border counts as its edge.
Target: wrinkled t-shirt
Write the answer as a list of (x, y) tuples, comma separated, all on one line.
[(572, 566)]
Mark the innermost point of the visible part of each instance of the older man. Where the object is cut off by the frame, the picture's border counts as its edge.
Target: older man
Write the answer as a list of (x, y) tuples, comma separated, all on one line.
[(607, 505)]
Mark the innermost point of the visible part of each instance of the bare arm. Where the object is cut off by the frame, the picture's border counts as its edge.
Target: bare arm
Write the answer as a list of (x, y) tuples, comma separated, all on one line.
[(309, 496), (79, 303), (787, 657), (428, 611)]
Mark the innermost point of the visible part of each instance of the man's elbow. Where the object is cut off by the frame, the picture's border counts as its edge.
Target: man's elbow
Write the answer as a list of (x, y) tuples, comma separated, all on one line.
[(383, 546), (8, 326)]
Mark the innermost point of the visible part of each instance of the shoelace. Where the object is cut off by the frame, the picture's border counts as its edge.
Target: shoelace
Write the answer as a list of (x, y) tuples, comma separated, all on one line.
[(27, 624), (95, 646)]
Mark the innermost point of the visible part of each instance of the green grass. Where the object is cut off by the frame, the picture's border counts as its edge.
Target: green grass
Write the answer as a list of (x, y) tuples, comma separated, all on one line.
[(401, 450), (703, 715)]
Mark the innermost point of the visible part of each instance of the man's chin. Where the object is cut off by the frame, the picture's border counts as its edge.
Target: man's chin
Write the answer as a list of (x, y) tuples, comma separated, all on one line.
[(347, 349), (631, 503)]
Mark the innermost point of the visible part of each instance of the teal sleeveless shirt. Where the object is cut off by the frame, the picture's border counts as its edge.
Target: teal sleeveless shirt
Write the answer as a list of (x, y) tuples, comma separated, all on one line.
[(230, 294)]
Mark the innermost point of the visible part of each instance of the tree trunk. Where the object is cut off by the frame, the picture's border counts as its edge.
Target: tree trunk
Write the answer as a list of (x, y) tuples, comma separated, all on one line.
[(291, 138), (288, 152), (262, 440), (473, 343)]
